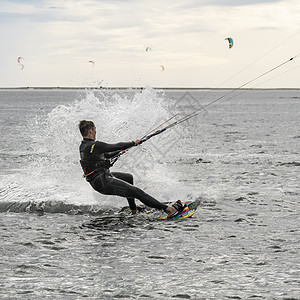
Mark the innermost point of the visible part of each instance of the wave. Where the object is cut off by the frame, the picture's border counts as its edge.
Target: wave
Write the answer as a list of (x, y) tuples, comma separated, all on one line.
[(61, 207), (290, 164), (52, 207)]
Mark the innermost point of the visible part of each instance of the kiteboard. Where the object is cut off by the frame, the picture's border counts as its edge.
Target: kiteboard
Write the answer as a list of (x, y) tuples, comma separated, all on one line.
[(189, 209)]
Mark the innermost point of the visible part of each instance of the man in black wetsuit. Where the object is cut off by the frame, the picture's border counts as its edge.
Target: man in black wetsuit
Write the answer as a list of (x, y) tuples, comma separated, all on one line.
[(94, 160)]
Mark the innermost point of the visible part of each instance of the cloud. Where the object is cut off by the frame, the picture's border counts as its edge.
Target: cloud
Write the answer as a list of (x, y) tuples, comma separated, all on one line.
[(236, 2)]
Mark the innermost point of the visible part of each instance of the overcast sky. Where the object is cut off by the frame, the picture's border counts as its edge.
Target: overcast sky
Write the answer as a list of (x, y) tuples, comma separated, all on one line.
[(57, 39)]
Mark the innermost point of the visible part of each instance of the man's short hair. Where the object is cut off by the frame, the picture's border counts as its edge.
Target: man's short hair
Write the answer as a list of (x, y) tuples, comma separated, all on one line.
[(85, 126)]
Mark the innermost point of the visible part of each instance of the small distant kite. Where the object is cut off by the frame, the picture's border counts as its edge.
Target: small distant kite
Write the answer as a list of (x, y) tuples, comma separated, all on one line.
[(19, 59), (148, 49), (162, 67), (19, 62), (230, 40), (92, 62)]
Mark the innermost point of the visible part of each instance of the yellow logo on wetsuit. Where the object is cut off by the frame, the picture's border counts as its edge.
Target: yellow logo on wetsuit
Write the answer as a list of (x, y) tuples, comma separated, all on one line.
[(92, 148)]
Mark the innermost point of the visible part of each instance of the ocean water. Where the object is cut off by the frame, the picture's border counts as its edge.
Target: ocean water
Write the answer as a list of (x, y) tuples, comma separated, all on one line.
[(240, 156)]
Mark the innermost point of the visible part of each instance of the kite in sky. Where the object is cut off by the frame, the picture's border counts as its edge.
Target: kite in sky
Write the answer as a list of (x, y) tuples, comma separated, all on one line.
[(91, 62), (19, 62), (19, 59), (230, 40)]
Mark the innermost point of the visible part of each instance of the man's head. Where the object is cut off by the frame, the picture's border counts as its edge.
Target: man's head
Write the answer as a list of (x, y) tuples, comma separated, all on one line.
[(87, 129)]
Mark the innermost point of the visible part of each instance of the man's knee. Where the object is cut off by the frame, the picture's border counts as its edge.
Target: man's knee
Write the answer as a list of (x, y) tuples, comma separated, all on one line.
[(130, 178), (126, 177)]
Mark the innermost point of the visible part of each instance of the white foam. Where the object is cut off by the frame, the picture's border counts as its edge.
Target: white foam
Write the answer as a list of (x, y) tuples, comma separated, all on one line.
[(55, 173)]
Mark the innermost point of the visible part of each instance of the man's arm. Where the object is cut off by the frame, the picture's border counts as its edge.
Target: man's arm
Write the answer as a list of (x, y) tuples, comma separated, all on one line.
[(111, 154), (101, 147)]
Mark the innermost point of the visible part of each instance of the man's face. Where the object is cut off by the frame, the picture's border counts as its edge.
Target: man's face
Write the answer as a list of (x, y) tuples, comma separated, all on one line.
[(93, 133)]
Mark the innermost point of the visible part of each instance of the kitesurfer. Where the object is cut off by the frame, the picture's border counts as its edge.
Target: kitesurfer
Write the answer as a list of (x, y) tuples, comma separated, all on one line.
[(94, 160)]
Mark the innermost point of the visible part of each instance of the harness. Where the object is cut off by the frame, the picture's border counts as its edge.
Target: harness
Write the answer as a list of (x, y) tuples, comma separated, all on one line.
[(86, 175), (99, 166)]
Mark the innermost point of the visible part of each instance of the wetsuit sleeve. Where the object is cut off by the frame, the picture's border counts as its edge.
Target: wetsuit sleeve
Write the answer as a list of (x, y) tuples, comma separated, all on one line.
[(101, 147), (111, 154)]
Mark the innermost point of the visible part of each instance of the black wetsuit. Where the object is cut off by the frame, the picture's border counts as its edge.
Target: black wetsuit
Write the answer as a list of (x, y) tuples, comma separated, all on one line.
[(95, 163)]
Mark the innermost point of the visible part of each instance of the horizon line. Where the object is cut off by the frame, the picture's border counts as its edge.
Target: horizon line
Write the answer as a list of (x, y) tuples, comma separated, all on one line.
[(134, 88)]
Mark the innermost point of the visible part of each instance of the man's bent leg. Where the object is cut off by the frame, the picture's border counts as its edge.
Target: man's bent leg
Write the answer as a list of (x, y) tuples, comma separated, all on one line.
[(128, 178), (115, 186)]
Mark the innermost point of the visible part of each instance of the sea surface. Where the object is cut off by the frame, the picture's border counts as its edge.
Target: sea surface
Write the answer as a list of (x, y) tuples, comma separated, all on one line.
[(239, 155)]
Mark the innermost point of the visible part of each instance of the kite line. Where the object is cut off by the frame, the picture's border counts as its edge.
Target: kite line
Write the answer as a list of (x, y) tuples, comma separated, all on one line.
[(158, 130)]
